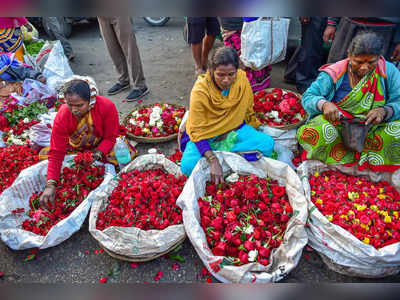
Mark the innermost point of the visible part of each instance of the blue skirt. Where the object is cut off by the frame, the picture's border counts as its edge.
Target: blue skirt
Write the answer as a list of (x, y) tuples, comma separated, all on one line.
[(248, 139)]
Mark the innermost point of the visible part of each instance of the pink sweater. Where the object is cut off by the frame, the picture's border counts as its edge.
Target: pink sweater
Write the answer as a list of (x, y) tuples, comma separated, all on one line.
[(12, 22)]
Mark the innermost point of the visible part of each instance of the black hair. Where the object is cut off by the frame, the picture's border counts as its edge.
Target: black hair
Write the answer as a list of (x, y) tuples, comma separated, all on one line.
[(78, 87), (223, 56), (366, 42)]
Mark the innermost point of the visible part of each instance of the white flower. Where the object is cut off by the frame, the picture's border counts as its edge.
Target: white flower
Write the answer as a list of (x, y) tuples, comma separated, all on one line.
[(253, 255), (26, 120), (141, 124), (155, 116), (160, 124), (233, 177), (152, 122), (249, 229), (157, 110), (132, 121), (152, 151)]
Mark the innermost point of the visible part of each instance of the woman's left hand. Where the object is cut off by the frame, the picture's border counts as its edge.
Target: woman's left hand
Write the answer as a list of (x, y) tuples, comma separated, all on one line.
[(375, 116)]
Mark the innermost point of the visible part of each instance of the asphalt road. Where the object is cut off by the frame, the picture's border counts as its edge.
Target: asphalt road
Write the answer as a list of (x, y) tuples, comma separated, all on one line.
[(169, 71)]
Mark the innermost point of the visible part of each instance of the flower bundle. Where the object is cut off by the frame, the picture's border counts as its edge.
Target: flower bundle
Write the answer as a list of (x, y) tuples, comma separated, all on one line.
[(245, 220), (368, 210), (76, 182), (145, 200), (13, 159), (156, 120), (278, 108), (19, 133)]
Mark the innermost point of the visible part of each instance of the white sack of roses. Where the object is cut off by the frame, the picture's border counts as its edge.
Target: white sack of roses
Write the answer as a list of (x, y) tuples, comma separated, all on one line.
[(131, 241), (284, 258), (30, 180), (340, 250)]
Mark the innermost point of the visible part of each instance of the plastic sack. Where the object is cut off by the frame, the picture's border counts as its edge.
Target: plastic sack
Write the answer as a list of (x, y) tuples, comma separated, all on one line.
[(40, 134), (284, 258), (284, 154), (57, 69), (341, 251), (284, 137), (133, 242), (264, 42), (30, 180), (33, 90), (43, 55)]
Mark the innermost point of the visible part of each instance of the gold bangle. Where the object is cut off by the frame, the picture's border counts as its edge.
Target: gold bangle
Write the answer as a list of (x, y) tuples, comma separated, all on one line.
[(211, 158), (52, 182)]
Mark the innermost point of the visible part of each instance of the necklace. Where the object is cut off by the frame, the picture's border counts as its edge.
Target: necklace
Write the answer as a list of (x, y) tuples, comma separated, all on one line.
[(352, 78)]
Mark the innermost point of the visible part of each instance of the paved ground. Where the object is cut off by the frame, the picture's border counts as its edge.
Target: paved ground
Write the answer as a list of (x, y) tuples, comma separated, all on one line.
[(169, 71)]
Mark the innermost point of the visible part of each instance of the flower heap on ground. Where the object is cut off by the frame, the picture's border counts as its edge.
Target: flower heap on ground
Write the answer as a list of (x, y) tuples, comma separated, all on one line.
[(13, 159), (143, 199), (278, 108), (157, 120), (246, 219), (368, 210), (74, 186)]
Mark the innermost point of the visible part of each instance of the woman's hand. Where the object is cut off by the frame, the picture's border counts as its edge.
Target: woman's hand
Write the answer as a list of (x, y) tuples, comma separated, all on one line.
[(375, 116), (49, 194), (330, 111), (216, 174), (329, 34)]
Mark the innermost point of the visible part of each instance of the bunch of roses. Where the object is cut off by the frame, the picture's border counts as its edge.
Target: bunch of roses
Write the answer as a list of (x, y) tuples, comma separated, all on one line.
[(74, 186), (157, 120), (246, 219), (143, 199), (278, 108), (254, 76), (19, 133), (13, 159), (368, 210)]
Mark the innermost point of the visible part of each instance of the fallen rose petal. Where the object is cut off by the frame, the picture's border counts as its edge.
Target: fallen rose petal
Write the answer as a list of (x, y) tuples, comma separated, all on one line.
[(103, 280), (158, 276), (176, 267), (86, 251), (209, 280), (134, 265), (101, 250), (123, 101), (140, 101), (307, 256)]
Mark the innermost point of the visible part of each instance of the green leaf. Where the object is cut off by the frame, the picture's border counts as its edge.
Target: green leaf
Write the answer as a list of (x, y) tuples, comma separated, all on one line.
[(176, 257), (30, 257)]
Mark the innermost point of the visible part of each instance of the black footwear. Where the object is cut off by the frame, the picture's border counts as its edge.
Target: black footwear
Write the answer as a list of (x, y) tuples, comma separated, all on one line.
[(118, 88), (136, 94)]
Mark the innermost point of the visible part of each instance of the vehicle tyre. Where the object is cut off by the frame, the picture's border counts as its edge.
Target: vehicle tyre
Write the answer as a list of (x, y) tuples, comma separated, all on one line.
[(156, 21)]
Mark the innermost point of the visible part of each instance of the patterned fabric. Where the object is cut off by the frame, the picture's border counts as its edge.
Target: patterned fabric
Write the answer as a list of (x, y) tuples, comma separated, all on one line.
[(84, 139), (11, 39), (323, 140)]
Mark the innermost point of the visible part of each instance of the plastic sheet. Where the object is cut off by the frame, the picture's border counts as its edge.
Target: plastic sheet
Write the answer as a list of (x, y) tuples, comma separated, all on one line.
[(32, 180), (133, 242), (340, 250), (40, 134), (283, 259)]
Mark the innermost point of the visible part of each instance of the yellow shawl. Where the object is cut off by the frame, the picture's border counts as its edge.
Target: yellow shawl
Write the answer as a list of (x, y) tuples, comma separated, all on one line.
[(212, 114)]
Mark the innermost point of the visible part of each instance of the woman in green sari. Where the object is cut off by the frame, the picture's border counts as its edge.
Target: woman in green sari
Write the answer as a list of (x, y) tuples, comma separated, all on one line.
[(363, 86)]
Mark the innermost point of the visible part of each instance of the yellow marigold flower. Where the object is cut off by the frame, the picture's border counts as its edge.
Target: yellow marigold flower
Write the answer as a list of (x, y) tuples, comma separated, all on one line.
[(380, 196), (313, 193), (389, 232), (396, 214), (326, 178), (365, 194), (319, 201), (329, 217), (359, 182), (366, 241), (374, 207), (316, 174), (381, 190), (365, 226), (344, 217), (387, 219), (356, 221), (361, 207), (350, 212), (384, 213)]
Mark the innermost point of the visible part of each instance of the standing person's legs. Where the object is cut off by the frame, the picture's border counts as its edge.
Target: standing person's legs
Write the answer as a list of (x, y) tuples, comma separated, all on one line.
[(116, 53), (311, 53), (213, 29), (196, 28)]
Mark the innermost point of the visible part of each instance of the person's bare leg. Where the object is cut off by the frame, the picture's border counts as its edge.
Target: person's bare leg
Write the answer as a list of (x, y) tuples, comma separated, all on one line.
[(208, 42), (196, 52)]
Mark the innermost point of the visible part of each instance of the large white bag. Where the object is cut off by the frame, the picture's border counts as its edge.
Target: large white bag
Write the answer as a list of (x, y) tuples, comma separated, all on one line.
[(30, 180), (284, 258), (131, 242), (340, 250), (264, 42)]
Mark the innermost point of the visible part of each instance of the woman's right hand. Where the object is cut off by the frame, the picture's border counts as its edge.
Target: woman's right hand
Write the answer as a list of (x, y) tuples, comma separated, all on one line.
[(331, 112), (329, 34), (49, 194), (217, 176)]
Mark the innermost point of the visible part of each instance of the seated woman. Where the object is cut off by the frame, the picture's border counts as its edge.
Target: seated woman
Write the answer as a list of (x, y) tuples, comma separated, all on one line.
[(85, 122), (221, 115), (363, 86)]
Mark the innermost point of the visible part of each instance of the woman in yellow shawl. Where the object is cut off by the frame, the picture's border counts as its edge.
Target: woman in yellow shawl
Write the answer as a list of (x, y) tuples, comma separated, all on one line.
[(221, 116)]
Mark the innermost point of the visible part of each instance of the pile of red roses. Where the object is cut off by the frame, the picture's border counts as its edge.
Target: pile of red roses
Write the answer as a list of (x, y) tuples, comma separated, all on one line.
[(246, 219), (143, 199), (13, 159), (176, 157), (157, 120), (278, 108), (368, 210), (74, 186), (19, 133)]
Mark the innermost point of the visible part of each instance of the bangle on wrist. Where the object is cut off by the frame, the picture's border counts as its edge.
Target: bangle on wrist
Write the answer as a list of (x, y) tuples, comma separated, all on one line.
[(51, 182)]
